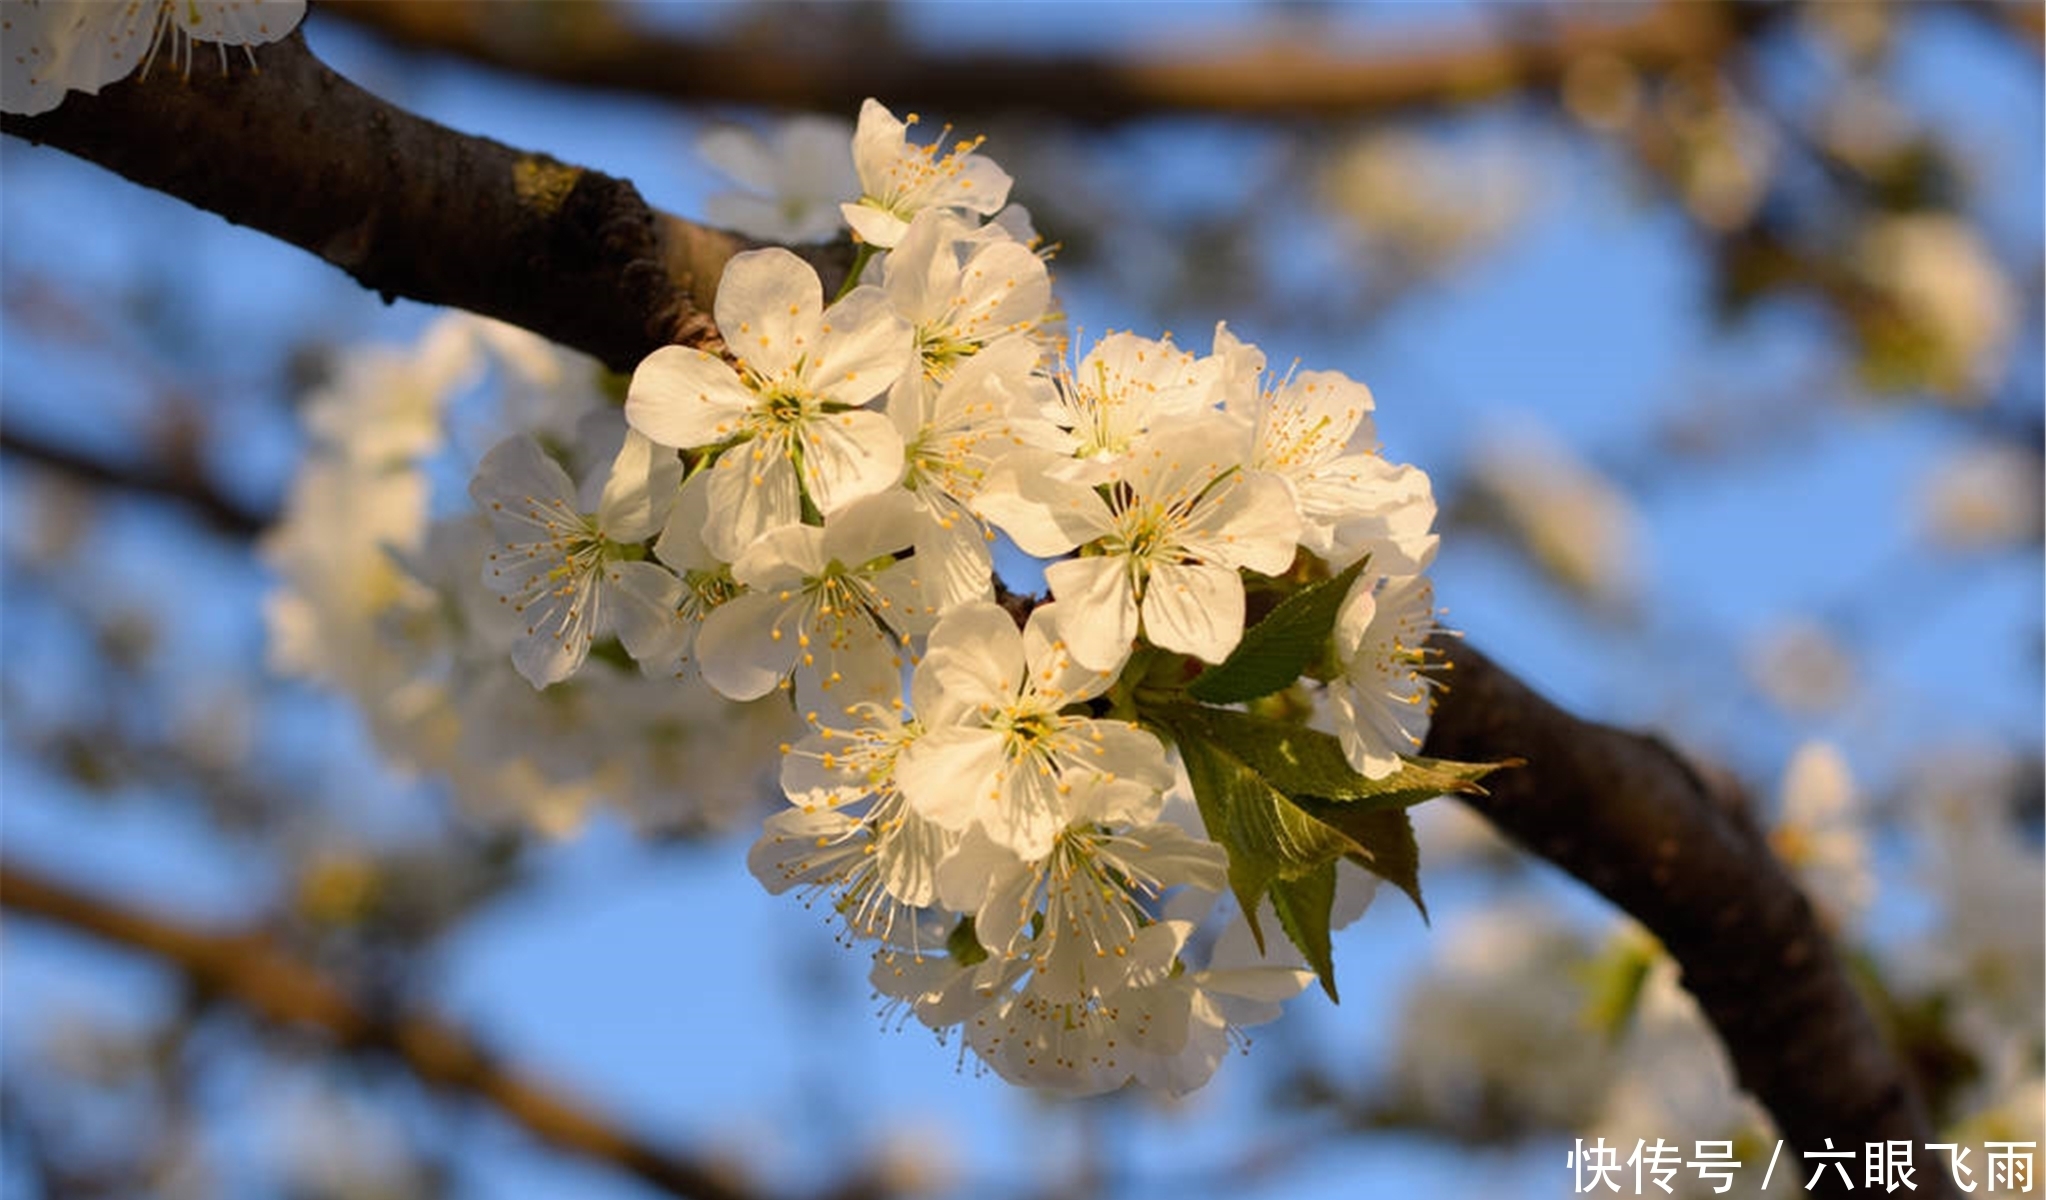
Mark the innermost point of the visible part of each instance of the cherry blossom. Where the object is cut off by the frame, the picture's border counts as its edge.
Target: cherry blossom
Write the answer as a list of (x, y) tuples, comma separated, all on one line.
[(788, 426)]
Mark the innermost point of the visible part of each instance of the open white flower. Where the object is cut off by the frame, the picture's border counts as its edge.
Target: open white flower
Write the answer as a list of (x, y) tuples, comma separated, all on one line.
[(1383, 698), (706, 579), (1161, 549), (901, 179), (1820, 834), (832, 607), (56, 46), (791, 181), (875, 869), (571, 574), (1122, 388), (952, 438), (788, 424), (1077, 912), (961, 290), (998, 750), (1313, 429)]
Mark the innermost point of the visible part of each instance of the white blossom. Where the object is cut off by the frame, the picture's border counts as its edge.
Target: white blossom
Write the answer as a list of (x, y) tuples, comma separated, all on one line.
[(1164, 543), (1121, 388), (569, 573), (831, 607), (1313, 429), (952, 438), (1819, 834), (790, 182), (961, 290), (1382, 697), (901, 179), (789, 424), (999, 751)]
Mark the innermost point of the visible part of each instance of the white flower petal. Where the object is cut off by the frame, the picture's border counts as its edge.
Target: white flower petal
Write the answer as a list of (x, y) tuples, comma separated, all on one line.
[(641, 601), (1195, 609), (746, 646), (950, 774), (770, 308), (1101, 605), (685, 398), (752, 491), (868, 347), (639, 491)]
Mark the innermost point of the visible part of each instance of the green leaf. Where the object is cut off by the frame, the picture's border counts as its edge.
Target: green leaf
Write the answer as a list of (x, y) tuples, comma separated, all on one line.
[(1384, 841), (1306, 762), (1267, 836), (1285, 803), (1303, 905), (1276, 650)]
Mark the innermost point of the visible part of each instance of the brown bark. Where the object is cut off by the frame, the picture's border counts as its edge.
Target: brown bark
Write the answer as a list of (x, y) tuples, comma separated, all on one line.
[(406, 206)]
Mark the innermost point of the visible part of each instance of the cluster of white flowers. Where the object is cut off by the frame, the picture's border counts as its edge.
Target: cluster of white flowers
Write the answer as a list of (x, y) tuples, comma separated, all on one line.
[(51, 47), (805, 524), (383, 598)]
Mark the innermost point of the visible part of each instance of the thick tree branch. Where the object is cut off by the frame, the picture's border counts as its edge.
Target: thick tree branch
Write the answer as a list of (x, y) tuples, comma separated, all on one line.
[(592, 44), (261, 976), (412, 208), (1678, 848), (406, 206)]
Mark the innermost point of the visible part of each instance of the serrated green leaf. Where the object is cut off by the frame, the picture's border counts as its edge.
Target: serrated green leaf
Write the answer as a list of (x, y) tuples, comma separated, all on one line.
[(1268, 837), (1276, 650), (1306, 762), (1303, 906), (1383, 841)]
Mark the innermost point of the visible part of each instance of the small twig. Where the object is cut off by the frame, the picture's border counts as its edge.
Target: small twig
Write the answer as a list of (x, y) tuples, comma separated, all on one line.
[(225, 514), (261, 976)]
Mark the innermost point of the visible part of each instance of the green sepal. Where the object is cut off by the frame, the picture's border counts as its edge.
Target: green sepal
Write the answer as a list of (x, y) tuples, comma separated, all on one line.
[(1275, 651), (963, 944)]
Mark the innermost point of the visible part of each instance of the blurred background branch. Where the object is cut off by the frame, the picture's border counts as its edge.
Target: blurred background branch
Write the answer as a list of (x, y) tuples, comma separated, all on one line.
[(254, 972), (776, 60)]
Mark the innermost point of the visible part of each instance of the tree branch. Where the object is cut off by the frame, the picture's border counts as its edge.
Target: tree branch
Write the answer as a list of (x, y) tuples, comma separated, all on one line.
[(187, 487), (412, 208), (592, 45), (406, 206), (1678, 849), (254, 972)]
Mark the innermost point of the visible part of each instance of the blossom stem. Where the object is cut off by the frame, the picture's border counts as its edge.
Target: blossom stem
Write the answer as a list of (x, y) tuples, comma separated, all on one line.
[(859, 265)]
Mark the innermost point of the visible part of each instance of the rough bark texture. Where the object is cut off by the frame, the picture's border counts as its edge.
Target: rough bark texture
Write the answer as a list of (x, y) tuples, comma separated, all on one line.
[(408, 207), (1678, 848), (412, 208)]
